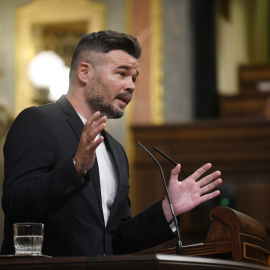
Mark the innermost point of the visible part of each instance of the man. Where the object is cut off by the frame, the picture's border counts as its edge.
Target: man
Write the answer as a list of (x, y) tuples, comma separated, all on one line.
[(64, 170)]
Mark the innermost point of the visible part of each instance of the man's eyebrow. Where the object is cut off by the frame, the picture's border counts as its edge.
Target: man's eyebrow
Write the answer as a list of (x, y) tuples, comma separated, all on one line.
[(128, 68)]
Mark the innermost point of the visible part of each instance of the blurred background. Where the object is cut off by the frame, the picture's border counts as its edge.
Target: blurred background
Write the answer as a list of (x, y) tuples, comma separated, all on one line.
[(203, 94)]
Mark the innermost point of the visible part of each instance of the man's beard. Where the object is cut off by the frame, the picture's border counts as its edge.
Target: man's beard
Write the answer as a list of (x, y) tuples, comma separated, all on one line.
[(96, 99), (105, 109)]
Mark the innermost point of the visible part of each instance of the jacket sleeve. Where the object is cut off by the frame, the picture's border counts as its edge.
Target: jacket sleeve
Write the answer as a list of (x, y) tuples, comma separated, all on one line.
[(148, 229), (35, 186)]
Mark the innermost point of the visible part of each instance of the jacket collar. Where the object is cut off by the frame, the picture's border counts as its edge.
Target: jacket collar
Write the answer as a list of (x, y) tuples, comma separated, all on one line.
[(72, 116)]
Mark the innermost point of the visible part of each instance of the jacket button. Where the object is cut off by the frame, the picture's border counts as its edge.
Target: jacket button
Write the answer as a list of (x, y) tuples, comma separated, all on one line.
[(69, 189)]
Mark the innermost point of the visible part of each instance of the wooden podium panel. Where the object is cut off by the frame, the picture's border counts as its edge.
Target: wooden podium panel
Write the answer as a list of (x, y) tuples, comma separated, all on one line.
[(232, 236), (130, 262)]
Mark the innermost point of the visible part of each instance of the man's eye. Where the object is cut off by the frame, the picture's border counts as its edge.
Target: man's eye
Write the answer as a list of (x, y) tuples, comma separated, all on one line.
[(122, 74)]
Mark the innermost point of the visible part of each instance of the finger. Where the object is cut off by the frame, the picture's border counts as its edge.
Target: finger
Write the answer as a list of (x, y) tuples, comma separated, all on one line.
[(89, 137), (93, 131), (91, 120), (95, 120), (93, 128), (211, 186), (209, 196), (92, 145), (94, 117), (209, 178), (99, 121), (199, 172)]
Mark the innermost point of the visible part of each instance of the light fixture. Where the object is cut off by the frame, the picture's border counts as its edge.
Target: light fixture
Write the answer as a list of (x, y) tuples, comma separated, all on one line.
[(47, 70)]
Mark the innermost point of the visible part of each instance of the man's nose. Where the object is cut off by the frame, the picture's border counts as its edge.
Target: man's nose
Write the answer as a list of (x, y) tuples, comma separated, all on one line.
[(130, 85)]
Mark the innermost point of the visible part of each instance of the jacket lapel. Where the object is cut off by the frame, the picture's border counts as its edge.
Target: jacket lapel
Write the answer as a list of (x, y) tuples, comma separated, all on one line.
[(94, 172), (72, 116)]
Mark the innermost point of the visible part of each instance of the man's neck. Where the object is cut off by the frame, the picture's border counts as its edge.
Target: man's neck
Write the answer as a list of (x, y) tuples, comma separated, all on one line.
[(80, 105)]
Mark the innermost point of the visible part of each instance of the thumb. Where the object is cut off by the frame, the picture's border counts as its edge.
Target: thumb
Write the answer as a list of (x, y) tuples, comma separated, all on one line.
[(174, 172)]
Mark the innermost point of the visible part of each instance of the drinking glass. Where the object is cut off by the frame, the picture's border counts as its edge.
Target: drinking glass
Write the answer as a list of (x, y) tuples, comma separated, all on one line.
[(28, 238)]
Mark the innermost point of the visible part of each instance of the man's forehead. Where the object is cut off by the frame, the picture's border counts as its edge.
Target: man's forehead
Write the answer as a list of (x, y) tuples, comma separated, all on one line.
[(122, 58)]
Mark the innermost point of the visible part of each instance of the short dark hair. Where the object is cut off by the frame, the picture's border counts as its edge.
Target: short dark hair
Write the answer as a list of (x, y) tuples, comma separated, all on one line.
[(104, 42)]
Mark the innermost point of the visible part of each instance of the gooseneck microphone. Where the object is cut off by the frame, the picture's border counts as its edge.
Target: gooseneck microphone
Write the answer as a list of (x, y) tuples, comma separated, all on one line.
[(179, 247), (172, 161)]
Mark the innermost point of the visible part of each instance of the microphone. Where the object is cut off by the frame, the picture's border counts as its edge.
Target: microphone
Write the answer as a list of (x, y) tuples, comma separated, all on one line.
[(179, 247), (172, 161)]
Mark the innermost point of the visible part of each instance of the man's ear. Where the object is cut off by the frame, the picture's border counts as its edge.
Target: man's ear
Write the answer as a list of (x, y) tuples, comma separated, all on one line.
[(84, 70)]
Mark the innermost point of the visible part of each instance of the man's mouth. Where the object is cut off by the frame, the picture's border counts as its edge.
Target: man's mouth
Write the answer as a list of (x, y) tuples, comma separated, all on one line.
[(125, 98)]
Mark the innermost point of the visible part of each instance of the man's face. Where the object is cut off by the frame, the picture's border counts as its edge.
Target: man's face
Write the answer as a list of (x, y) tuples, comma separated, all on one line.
[(112, 83)]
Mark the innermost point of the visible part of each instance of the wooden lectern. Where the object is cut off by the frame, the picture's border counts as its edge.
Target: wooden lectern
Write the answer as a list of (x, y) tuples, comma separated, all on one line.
[(232, 235)]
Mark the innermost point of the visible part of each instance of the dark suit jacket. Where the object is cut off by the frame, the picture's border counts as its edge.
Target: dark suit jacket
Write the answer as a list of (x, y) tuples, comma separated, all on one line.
[(41, 185)]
